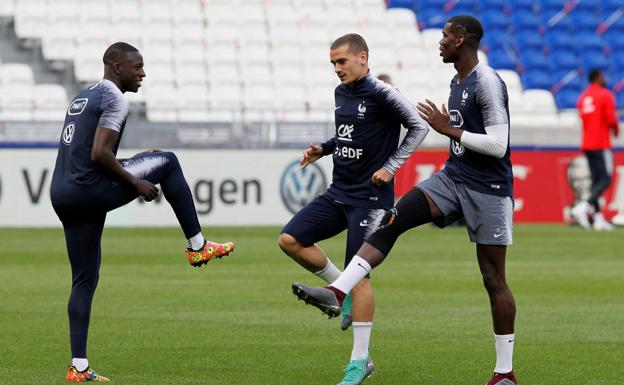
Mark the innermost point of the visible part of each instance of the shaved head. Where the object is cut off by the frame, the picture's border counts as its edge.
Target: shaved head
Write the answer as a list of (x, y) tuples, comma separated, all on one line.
[(117, 53)]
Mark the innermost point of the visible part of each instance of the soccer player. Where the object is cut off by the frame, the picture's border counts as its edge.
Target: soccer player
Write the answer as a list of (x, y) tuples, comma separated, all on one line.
[(476, 183), (368, 116), (89, 181), (599, 116)]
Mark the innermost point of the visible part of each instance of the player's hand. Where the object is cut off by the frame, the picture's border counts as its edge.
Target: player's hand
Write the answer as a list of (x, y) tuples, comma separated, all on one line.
[(381, 177), (147, 190), (438, 120), (311, 155)]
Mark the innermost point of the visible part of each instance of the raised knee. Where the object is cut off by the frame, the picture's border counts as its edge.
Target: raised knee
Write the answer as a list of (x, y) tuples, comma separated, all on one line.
[(171, 157), (388, 218), (288, 243)]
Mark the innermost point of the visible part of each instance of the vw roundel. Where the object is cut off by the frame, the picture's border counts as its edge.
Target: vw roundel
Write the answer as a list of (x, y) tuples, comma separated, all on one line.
[(77, 106), (299, 186), (68, 133)]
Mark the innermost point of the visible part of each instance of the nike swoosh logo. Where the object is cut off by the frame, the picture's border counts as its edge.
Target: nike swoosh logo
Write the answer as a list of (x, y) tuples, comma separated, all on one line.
[(338, 107), (497, 235), (360, 265), (364, 223)]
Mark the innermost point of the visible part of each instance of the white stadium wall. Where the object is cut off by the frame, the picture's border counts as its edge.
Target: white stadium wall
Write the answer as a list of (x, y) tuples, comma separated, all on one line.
[(229, 188)]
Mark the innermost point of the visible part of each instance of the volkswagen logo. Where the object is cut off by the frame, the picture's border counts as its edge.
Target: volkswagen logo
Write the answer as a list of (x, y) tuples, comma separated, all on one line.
[(68, 133), (299, 186), (458, 148)]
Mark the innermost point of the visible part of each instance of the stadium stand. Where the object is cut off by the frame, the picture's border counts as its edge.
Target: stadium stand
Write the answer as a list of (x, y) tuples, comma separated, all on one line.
[(533, 38), (248, 61)]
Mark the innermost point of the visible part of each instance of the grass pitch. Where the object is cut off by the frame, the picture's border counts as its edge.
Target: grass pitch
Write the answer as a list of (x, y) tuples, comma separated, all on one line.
[(157, 320)]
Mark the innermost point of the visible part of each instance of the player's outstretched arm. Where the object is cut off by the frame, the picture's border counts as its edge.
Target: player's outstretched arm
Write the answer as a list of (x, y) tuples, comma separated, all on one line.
[(399, 106), (102, 155)]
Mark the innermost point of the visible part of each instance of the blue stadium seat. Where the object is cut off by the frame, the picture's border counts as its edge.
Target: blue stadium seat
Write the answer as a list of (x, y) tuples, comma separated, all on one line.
[(584, 21), (431, 19), (591, 7), (526, 20), (617, 61), (494, 5), (589, 41), (500, 60), (610, 6), (615, 40), (574, 84), (432, 5), (563, 25), (618, 25), (498, 42), (567, 99), (619, 100), (410, 4), (564, 59), (529, 40), (495, 20), (560, 40), (465, 7), (591, 60), (534, 59), (528, 5), (553, 5), (617, 76), (536, 79)]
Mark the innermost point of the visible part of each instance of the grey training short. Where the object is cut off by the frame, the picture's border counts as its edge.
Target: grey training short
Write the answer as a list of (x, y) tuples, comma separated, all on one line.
[(489, 218)]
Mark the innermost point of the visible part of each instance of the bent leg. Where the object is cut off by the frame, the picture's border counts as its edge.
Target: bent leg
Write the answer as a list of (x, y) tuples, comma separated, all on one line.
[(313, 258), (159, 168), (363, 301), (414, 209), (164, 168), (320, 219)]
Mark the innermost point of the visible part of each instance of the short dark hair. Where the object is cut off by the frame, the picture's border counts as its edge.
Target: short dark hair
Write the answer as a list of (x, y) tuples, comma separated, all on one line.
[(594, 74), (468, 26), (117, 52), (355, 42)]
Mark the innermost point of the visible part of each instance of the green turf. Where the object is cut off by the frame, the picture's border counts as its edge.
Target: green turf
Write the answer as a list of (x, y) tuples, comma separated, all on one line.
[(156, 320)]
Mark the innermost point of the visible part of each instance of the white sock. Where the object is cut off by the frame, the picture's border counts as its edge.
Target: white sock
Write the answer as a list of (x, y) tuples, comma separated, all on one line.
[(504, 352), (357, 269), (329, 273), (582, 205), (196, 242), (361, 339), (81, 364)]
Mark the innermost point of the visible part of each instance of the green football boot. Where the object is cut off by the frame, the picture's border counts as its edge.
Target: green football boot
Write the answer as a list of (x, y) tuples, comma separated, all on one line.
[(347, 304)]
